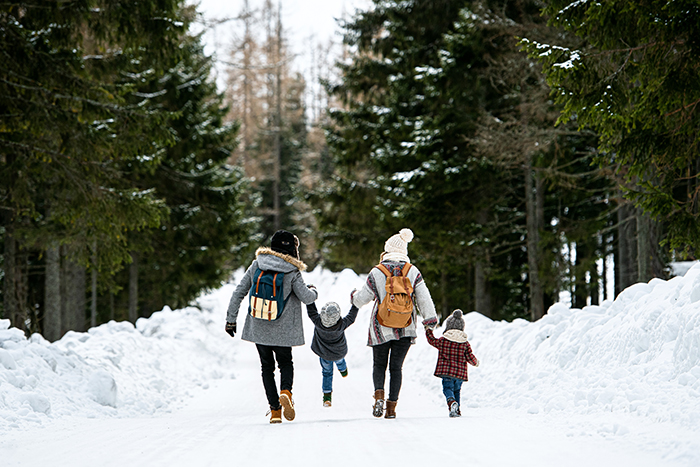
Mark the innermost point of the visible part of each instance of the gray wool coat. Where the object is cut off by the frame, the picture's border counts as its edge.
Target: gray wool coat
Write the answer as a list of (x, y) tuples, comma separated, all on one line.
[(287, 330)]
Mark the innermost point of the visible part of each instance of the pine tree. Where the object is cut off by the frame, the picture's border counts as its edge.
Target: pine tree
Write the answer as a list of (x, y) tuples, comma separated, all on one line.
[(207, 232), (67, 128), (401, 144), (447, 127), (632, 78)]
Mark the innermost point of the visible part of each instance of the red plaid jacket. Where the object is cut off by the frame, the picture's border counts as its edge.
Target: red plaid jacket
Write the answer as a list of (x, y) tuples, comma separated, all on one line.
[(452, 357)]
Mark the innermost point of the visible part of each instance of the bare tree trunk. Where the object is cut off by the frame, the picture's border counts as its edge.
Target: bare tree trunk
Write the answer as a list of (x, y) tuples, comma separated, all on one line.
[(604, 275), (65, 285), (134, 288), (22, 317), (278, 125), (623, 250), (443, 292), (617, 258), (73, 289), (539, 203), (111, 306), (80, 297), (9, 286), (93, 286), (644, 251), (579, 292), (594, 285), (658, 264), (52, 293), (482, 264), (482, 294), (627, 247), (536, 295), (247, 44)]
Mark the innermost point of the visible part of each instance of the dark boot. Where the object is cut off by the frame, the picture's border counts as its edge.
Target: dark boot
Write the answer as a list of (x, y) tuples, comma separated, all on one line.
[(454, 408), (378, 408), (390, 409)]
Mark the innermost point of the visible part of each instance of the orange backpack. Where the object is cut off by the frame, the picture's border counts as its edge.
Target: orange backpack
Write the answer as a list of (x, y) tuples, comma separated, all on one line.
[(396, 310)]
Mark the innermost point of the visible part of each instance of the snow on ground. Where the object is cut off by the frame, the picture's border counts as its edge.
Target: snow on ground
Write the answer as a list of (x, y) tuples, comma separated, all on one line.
[(614, 384)]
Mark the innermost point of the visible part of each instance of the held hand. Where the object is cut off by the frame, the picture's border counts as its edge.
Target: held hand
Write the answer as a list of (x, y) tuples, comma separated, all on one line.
[(231, 329), (477, 362), (430, 323), (352, 295)]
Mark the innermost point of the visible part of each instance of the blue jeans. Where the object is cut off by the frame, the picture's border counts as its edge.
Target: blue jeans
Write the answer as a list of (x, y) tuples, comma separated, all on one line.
[(327, 372), (451, 388)]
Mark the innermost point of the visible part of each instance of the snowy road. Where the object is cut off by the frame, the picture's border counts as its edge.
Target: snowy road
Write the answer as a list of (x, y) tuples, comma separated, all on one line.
[(225, 424), (188, 395)]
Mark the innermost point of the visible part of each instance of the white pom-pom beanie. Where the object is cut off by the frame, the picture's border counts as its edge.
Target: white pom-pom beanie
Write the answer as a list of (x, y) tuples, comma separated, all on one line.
[(398, 244)]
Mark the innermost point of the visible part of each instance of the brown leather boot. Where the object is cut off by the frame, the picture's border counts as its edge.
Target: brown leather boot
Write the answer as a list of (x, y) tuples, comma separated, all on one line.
[(378, 408), (287, 404), (276, 416), (390, 409)]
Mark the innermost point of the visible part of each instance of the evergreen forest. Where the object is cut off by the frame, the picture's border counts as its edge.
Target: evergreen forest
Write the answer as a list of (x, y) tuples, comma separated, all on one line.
[(539, 150)]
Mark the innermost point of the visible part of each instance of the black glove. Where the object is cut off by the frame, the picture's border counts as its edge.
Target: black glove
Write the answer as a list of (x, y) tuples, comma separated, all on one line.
[(231, 328)]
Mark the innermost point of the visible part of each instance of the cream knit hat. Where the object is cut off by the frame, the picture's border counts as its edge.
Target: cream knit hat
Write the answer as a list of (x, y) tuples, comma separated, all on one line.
[(399, 243)]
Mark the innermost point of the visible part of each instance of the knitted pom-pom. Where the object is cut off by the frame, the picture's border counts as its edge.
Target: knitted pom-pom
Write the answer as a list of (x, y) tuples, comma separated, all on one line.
[(406, 235), (457, 313)]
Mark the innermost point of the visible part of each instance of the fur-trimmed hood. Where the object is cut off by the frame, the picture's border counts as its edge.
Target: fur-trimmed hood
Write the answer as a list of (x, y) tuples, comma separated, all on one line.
[(263, 250), (455, 335)]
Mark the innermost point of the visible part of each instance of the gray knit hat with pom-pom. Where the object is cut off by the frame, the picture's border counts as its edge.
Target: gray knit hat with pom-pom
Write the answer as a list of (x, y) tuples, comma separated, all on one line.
[(330, 314), (455, 321)]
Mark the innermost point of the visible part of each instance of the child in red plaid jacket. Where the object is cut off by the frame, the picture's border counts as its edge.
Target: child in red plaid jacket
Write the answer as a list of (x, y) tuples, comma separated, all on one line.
[(454, 355)]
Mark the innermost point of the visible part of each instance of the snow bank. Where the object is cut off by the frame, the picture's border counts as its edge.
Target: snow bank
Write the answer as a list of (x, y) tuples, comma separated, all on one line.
[(639, 354), (113, 370)]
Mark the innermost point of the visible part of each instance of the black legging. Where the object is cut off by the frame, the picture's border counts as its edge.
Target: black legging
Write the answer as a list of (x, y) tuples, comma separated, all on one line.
[(283, 355), (394, 353)]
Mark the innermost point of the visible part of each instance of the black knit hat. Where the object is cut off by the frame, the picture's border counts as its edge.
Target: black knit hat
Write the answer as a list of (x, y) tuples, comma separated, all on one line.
[(455, 321), (286, 243)]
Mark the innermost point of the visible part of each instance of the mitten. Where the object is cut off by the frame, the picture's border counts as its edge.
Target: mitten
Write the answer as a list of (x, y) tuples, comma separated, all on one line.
[(231, 328), (352, 295), (430, 323)]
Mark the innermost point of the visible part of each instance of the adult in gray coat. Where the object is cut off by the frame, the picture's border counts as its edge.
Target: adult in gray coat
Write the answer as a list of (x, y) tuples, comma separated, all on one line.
[(274, 339)]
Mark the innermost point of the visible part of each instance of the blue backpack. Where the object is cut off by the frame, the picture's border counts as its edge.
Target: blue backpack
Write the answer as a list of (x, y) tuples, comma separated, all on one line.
[(266, 295)]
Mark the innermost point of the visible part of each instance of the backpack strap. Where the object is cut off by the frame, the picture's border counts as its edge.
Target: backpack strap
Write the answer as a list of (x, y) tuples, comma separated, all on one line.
[(404, 274), (384, 269), (257, 285), (387, 273)]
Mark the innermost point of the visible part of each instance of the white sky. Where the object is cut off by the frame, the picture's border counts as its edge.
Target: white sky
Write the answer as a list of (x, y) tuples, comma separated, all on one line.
[(302, 20)]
